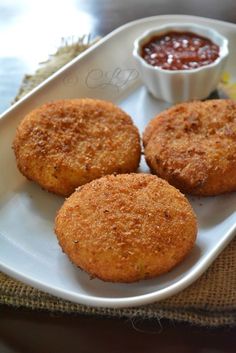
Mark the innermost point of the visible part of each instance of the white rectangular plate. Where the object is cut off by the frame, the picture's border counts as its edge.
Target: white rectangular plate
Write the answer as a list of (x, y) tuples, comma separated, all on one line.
[(28, 247)]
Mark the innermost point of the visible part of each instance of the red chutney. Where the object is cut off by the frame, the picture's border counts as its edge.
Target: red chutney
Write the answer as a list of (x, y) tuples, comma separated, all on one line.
[(179, 51)]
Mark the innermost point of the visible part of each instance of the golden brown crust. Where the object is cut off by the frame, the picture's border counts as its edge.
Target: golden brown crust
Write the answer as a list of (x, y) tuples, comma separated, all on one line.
[(193, 146), (127, 227), (67, 143)]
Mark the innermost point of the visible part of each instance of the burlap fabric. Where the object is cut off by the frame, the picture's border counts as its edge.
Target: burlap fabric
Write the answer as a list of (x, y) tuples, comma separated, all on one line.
[(210, 301)]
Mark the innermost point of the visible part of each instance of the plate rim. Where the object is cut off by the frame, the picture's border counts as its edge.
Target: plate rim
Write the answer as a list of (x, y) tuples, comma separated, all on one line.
[(132, 301), (100, 43)]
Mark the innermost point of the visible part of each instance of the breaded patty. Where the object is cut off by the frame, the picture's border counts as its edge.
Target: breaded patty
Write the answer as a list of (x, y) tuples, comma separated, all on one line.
[(127, 227), (193, 146), (67, 143)]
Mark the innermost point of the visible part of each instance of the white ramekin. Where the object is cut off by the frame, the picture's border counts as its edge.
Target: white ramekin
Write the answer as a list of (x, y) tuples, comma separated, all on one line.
[(181, 85)]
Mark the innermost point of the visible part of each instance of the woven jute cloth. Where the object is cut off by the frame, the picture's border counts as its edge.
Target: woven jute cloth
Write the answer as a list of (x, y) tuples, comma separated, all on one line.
[(210, 301)]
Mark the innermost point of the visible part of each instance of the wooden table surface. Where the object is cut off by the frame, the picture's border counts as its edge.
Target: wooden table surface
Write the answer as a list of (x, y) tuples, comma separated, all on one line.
[(28, 32)]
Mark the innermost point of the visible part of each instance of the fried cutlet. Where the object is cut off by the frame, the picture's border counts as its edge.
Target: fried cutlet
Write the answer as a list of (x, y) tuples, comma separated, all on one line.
[(127, 227), (193, 146), (67, 143)]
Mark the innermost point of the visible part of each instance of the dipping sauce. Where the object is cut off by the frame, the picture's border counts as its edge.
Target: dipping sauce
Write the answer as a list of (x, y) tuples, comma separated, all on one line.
[(179, 51)]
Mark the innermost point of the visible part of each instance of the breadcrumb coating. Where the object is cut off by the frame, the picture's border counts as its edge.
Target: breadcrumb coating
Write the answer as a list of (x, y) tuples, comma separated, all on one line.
[(67, 143), (193, 146), (127, 227)]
